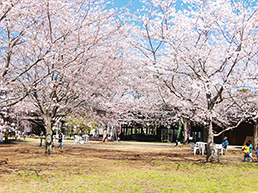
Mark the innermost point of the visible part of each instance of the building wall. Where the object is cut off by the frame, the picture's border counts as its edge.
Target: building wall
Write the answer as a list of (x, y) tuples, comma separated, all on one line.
[(236, 136)]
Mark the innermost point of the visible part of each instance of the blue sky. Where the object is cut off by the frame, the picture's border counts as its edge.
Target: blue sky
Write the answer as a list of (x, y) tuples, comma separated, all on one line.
[(134, 4)]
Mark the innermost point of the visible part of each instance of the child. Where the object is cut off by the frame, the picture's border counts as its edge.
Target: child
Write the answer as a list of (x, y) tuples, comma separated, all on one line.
[(256, 153), (246, 151), (225, 143), (251, 150)]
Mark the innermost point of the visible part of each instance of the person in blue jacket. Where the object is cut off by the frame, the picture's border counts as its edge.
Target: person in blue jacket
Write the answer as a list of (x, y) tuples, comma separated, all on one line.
[(225, 143), (256, 152)]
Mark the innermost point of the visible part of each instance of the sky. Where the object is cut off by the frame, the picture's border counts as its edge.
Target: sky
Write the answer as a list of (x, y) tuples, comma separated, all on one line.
[(134, 4)]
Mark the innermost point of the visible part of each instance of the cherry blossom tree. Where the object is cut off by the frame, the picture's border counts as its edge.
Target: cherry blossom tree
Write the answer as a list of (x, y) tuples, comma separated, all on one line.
[(198, 51), (77, 41), (17, 18)]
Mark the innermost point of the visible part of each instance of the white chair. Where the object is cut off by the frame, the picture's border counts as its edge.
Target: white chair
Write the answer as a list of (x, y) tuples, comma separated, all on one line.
[(194, 147), (85, 138), (201, 147), (76, 139), (218, 147)]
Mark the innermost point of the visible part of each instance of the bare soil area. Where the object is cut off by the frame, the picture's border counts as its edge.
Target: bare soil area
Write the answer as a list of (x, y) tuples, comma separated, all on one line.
[(12, 154), (22, 164)]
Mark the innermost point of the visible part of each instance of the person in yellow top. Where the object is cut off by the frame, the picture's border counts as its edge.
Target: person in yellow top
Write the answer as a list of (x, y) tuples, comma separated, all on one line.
[(246, 151)]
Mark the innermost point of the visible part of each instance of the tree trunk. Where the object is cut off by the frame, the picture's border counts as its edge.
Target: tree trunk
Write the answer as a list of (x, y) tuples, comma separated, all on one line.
[(156, 127), (255, 133), (49, 134), (105, 134), (210, 149), (185, 121), (6, 133)]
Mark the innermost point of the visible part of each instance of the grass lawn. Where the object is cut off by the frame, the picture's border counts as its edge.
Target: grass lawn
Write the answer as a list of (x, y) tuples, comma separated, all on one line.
[(25, 168)]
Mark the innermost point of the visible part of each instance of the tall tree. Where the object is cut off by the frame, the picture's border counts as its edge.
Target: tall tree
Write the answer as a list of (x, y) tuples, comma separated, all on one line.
[(198, 51), (79, 41), (18, 19)]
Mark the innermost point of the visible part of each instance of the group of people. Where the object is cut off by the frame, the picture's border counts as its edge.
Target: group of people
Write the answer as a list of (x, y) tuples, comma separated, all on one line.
[(248, 150)]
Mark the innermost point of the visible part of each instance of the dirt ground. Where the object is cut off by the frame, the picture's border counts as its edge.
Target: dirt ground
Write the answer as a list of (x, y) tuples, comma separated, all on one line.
[(11, 154), (24, 164)]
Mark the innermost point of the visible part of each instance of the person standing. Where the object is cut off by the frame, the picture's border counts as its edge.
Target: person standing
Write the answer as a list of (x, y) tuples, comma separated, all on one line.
[(246, 152), (251, 150), (256, 152), (60, 140), (1, 132), (225, 143), (41, 138)]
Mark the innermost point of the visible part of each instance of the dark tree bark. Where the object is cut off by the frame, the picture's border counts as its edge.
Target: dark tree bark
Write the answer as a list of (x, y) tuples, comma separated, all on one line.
[(255, 133)]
